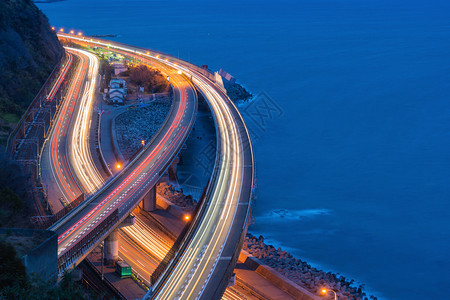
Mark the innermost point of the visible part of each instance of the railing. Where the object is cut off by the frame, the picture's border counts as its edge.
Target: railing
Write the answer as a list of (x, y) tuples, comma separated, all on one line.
[(78, 250)]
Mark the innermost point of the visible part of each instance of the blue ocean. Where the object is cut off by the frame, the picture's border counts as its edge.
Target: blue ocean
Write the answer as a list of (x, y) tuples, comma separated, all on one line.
[(353, 169)]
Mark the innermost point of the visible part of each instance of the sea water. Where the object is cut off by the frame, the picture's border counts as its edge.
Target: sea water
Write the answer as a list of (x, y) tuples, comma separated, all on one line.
[(353, 171)]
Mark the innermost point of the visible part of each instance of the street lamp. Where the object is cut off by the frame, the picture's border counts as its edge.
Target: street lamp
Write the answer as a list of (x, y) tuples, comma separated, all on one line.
[(118, 166), (325, 291), (187, 217), (143, 142)]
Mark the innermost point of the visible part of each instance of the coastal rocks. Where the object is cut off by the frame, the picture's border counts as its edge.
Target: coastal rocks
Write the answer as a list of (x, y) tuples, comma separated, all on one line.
[(139, 124), (176, 196), (301, 272)]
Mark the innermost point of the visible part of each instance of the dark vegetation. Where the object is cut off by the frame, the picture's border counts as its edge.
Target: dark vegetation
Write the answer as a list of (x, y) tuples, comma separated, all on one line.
[(29, 50), (106, 70), (13, 270), (13, 194), (15, 284), (237, 92), (152, 80)]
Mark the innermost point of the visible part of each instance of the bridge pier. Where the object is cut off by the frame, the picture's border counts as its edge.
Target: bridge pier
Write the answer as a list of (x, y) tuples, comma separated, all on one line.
[(149, 200), (172, 170), (111, 243), (111, 248)]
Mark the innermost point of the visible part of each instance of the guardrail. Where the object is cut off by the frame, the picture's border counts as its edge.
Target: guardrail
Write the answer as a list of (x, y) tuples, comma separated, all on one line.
[(66, 260)]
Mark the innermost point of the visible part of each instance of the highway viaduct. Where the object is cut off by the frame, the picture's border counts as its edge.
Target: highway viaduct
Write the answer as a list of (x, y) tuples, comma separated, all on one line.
[(223, 216)]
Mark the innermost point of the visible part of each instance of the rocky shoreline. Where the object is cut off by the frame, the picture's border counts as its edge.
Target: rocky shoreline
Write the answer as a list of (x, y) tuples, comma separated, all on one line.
[(175, 196), (139, 124), (301, 272), (145, 122), (281, 261)]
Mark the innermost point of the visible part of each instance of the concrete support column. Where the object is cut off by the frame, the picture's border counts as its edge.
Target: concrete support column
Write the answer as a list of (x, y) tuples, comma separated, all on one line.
[(111, 248), (149, 200), (172, 170)]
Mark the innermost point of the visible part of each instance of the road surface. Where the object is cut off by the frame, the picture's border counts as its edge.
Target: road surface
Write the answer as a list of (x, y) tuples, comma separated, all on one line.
[(79, 231), (56, 174), (207, 257)]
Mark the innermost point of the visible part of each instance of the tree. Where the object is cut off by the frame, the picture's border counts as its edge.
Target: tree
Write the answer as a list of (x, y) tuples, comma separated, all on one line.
[(141, 75), (152, 80), (12, 269)]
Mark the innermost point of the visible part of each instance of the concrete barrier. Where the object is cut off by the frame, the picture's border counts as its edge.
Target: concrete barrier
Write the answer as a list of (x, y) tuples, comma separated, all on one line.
[(171, 208), (276, 278)]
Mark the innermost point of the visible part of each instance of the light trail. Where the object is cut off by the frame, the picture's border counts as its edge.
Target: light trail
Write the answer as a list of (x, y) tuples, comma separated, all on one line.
[(192, 272), (232, 294), (83, 167), (56, 150), (202, 259), (148, 238), (139, 177), (80, 156)]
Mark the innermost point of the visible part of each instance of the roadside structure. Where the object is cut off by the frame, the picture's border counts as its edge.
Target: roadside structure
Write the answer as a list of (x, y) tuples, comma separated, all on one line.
[(117, 91)]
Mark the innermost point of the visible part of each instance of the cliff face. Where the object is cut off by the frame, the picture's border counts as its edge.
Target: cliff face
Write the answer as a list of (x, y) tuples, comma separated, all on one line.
[(29, 50)]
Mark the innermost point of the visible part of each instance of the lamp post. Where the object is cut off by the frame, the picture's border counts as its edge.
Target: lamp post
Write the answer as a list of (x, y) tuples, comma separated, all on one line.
[(325, 291)]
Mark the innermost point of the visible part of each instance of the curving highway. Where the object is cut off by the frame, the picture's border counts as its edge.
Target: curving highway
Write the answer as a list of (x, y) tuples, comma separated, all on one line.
[(85, 227), (80, 156), (209, 257), (142, 246), (55, 169), (205, 262)]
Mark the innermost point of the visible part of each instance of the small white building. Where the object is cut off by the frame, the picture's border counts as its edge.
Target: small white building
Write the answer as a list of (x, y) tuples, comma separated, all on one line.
[(117, 92)]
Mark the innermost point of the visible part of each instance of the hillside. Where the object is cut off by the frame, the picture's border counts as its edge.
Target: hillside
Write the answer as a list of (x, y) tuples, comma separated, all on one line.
[(29, 50)]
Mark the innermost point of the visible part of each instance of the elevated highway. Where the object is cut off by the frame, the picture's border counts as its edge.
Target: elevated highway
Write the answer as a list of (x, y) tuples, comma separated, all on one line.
[(66, 163), (203, 268), (204, 264), (86, 226), (54, 166)]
